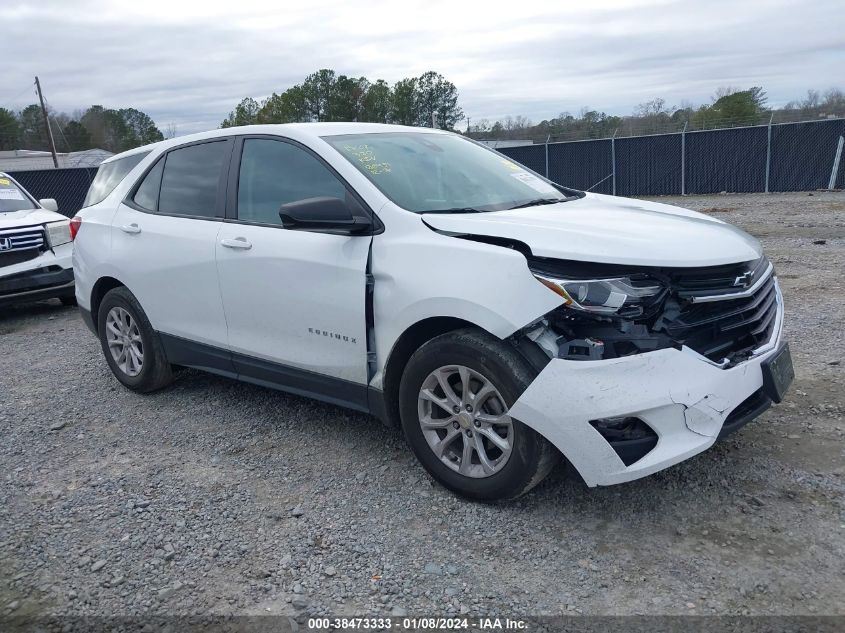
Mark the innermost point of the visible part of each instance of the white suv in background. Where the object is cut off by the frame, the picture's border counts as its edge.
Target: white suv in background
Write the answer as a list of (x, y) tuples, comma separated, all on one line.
[(35, 247), (502, 320)]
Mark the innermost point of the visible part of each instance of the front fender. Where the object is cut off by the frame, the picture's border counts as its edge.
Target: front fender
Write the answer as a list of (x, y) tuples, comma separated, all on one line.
[(423, 274)]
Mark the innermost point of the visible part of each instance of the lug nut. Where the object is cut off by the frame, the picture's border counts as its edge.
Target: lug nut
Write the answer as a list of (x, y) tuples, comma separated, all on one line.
[(477, 424), (456, 409), (455, 425), (469, 433), (469, 408)]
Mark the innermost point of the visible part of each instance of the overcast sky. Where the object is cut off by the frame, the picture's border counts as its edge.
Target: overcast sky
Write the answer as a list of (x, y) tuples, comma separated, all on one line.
[(189, 63)]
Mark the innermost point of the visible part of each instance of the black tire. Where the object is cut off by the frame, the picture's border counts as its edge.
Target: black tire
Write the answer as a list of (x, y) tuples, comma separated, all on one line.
[(155, 370), (532, 456), (69, 300)]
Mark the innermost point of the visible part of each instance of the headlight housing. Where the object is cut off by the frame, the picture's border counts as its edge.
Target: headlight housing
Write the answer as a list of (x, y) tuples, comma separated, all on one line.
[(623, 296), (58, 233)]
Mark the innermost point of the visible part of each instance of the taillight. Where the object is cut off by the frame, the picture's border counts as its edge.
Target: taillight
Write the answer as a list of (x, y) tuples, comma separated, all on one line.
[(75, 223)]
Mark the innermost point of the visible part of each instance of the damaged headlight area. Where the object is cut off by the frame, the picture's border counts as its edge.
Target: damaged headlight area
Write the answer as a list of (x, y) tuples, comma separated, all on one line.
[(623, 296), (722, 312), (602, 317)]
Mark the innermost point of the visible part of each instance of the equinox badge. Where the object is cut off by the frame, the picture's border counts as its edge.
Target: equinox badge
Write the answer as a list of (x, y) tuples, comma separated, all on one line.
[(332, 335)]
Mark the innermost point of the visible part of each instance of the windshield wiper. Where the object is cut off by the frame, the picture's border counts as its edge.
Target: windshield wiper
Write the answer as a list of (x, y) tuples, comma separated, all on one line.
[(455, 210), (538, 201)]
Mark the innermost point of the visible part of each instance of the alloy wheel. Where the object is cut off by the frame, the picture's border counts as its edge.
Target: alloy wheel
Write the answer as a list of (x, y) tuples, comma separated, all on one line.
[(465, 421), (124, 341)]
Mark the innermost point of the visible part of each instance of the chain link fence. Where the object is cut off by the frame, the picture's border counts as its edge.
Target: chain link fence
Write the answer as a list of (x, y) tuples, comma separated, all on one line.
[(777, 157), (68, 186)]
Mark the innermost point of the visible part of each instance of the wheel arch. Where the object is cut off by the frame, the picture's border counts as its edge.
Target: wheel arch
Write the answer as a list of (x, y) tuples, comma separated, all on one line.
[(99, 290), (408, 342)]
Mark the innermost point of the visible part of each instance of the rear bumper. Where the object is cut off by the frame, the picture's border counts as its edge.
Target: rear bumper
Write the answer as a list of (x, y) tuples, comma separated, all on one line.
[(687, 400), (36, 284), (85, 313)]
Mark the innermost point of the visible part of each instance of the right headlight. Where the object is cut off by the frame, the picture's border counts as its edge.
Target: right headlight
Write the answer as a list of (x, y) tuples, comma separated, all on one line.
[(624, 296), (58, 233)]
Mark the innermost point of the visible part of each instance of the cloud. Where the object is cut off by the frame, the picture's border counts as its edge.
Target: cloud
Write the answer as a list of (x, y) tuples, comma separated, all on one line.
[(189, 63)]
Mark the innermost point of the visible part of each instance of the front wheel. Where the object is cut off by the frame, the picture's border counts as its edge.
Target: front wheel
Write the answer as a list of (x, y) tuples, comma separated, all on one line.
[(454, 400)]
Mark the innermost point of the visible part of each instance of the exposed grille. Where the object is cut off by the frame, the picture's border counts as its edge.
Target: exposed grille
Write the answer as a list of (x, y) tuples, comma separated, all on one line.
[(727, 328), (20, 239), (700, 283), (20, 245)]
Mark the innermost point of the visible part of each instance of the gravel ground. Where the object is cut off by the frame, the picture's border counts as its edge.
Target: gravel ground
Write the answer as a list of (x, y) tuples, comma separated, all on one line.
[(219, 497)]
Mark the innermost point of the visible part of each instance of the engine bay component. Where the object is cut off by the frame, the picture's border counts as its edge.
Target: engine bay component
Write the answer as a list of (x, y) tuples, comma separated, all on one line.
[(582, 349)]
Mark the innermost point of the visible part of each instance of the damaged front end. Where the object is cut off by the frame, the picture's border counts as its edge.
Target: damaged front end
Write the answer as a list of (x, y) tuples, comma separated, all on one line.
[(660, 355)]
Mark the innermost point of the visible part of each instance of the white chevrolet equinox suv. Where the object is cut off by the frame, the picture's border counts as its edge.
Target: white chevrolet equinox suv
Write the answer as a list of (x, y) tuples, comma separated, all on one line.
[(502, 320)]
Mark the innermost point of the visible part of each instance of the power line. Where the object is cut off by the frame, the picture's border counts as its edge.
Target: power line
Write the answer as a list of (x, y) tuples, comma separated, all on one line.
[(12, 100), (59, 127)]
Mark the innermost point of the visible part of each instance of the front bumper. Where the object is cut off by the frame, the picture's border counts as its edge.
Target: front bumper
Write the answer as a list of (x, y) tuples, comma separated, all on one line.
[(687, 400), (46, 276), (36, 284)]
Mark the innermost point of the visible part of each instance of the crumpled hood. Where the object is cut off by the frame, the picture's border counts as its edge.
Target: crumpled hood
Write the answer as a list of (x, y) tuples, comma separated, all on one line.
[(608, 229), (28, 217)]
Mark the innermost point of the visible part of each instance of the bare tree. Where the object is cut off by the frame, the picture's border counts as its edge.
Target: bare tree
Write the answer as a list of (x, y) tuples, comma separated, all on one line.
[(651, 108), (724, 91)]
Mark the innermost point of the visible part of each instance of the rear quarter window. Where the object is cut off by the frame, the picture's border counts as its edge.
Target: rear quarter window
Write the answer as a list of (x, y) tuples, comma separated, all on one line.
[(109, 176), (191, 179)]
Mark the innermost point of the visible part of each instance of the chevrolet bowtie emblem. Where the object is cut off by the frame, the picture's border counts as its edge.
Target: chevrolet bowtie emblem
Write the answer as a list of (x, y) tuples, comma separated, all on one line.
[(744, 280)]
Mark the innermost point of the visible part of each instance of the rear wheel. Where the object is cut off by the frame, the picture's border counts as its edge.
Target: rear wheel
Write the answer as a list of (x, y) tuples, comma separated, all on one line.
[(454, 400), (131, 346)]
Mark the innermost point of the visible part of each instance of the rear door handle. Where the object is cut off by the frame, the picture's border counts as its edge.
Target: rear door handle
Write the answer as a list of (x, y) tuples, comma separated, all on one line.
[(130, 228), (238, 242)]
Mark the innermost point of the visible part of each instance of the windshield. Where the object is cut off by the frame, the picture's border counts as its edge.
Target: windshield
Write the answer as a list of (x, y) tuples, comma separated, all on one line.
[(426, 172), (12, 197)]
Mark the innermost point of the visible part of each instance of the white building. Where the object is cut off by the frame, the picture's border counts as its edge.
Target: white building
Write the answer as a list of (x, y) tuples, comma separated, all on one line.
[(498, 144), (30, 160)]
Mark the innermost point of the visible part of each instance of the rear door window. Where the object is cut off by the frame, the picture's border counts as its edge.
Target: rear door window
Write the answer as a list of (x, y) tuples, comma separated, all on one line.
[(109, 176), (192, 177), (12, 197)]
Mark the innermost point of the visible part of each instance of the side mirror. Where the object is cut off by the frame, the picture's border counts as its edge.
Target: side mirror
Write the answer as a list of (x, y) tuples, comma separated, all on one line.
[(49, 203), (323, 214)]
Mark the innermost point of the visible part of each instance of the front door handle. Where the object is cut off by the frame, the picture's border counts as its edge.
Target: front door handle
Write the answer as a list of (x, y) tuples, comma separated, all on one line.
[(130, 228), (238, 242)]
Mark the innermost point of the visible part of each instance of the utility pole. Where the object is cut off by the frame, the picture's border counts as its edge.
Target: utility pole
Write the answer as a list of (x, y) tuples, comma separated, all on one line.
[(47, 124)]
